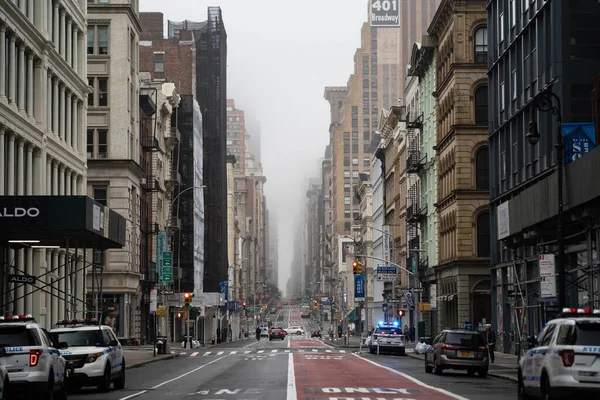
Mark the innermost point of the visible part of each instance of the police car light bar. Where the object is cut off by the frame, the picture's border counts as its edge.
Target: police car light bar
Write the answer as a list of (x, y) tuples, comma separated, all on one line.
[(87, 321), (13, 318), (580, 311)]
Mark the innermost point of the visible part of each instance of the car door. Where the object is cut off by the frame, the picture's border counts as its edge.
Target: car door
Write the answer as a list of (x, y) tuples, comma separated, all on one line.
[(540, 353), (431, 350), (57, 361)]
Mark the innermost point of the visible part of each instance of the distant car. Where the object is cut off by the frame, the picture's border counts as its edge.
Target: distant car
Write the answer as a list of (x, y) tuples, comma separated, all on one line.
[(276, 333), (295, 330), (458, 349), (314, 334), (387, 338), (264, 331)]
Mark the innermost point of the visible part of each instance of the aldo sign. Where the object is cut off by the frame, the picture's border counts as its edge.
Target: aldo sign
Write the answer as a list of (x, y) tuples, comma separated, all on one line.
[(19, 212)]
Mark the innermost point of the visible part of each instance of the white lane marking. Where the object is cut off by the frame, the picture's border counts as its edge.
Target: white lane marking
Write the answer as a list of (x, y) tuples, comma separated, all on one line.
[(131, 396), (207, 353), (327, 351), (260, 351), (233, 352), (183, 353), (291, 382), (194, 354), (219, 353), (250, 344), (414, 380), (289, 342), (287, 351), (342, 351), (273, 351), (247, 351), (315, 350)]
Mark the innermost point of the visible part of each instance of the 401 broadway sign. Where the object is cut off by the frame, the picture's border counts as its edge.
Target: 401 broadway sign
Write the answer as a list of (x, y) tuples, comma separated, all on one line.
[(385, 13)]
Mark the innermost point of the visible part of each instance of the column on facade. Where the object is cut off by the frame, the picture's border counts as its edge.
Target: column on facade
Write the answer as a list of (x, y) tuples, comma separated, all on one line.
[(75, 48), (19, 305), (49, 105), (81, 49), (21, 77), (55, 178), (55, 95), (40, 15), (22, 5), (74, 127), (39, 173), (2, 137), (81, 190), (74, 188), (30, 10), (68, 38), (63, 32), (38, 298), (12, 67), (30, 82), (39, 88), (68, 119), (463, 290), (47, 303), (81, 128), (21, 168), (68, 182), (60, 272), (55, 24), (2, 61), (28, 269), (61, 180), (48, 175), (61, 106), (29, 171)]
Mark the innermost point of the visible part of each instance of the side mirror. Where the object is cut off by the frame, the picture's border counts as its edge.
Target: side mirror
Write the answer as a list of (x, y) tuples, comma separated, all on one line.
[(114, 343), (62, 345), (2, 352)]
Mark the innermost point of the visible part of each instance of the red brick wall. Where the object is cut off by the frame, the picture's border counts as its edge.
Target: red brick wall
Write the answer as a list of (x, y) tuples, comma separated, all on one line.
[(179, 60)]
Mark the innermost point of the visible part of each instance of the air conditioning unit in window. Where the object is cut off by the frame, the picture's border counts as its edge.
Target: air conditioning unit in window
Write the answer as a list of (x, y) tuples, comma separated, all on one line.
[(143, 181)]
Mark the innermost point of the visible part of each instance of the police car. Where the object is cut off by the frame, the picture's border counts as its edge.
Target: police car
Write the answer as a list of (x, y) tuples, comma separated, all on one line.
[(564, 360), (387, 337), (32, 358), (94, 352), (3, 376)]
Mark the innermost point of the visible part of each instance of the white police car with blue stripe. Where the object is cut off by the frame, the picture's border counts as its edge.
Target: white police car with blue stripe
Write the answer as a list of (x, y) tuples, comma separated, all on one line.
[(564, 359), (4, 381), (32, 358), (94, 352)]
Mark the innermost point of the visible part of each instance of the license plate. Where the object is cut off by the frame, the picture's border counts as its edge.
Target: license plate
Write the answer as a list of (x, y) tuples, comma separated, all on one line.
[(466, 354), (587, 373)]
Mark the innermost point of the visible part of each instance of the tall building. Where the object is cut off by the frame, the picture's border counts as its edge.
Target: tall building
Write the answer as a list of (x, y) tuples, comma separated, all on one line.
[(462, 207), (273, 249), (236, 137), (535, 47), (311, 220), (114, 172), (43, 101)]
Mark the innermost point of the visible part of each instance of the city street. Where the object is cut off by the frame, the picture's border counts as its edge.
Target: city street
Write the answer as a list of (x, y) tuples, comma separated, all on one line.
[(296, 368)]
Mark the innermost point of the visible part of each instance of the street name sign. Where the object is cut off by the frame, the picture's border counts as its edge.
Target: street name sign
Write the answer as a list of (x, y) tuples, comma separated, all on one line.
[(386, 273), (385, 13)]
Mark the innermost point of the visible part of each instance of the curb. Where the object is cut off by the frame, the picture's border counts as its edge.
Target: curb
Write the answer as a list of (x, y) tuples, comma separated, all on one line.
[(152, 360)]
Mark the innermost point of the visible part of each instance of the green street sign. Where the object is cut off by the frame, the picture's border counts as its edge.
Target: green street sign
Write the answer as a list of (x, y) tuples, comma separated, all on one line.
[(167, 267), (414, 265)]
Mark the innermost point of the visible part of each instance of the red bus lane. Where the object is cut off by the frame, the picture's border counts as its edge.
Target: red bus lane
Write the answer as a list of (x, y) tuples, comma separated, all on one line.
[(326, 376), (306, 343)]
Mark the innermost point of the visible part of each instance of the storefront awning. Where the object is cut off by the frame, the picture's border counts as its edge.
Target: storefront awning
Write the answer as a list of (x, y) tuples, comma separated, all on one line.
[(73, 221), (350, 314)]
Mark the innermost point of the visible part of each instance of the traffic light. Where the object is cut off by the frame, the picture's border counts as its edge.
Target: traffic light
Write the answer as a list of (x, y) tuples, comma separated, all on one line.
[(187, 299), (360, 271), (315, 305), (355, 267), (244, 305), (400, 313)]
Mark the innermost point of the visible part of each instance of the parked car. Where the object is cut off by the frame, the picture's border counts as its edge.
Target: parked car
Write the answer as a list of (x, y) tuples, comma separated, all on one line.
[(387, 337), (458, 349), (4, 382), (264, 331), (564, 360), (295, 330), (276, 333), (316, 334)]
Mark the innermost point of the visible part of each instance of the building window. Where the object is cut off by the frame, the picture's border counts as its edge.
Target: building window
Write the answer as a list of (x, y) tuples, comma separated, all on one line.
[(355, 161), (346, 161), (502, 99), (99, 98), (366, 161), (97, 143), (355, 174), (97, 39), (346, 188), (100, 194), (514, 84), (347, 200), (481, 105), (482, 171), (159, 62), (526, 5), (346, 174), (481, 42), (501, 29), (513, 13), (483, 234), (346, 213)]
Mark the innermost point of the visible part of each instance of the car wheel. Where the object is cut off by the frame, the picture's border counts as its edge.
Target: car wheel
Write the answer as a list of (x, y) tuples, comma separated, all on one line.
[(371, 350), (104, 385), (63, 392), (546, 388), (436, 367), (482, 372), (120, 383), (5, 389), (521, 394), (470, 372), (298, 333), (428, 369), (49, 395)]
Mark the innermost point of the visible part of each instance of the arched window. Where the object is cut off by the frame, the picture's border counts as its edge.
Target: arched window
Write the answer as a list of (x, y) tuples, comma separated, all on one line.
[(482, 169), (481, 45), (481, 105), (483, 234)]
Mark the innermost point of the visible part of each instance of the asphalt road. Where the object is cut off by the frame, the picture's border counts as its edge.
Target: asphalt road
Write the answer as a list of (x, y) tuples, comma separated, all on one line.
[(297, 368)]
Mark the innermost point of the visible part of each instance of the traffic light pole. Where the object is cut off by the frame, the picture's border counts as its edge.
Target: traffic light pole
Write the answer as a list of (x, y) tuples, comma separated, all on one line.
[(187, 326)]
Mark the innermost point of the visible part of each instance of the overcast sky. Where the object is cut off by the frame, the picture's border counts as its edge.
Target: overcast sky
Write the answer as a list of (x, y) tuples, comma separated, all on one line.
[(281, 55)]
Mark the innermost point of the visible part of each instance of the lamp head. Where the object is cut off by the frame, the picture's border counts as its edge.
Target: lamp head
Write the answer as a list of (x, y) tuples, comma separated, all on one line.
[(533, 135)]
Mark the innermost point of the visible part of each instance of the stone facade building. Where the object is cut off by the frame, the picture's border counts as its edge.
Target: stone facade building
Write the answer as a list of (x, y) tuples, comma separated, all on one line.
[(462, 271)]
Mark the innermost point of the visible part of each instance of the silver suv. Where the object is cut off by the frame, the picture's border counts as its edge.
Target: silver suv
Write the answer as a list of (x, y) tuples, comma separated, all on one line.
[(32, 359)]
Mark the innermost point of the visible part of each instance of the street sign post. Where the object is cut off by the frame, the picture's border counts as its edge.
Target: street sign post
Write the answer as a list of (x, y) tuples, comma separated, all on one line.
[(167, 267), (153, 300), (385, 13)]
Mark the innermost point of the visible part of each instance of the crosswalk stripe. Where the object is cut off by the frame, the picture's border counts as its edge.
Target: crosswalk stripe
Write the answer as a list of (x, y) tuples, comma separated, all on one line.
[(194, 354), (207, 353), (273, 351), (247, 351), (233, 352), (327, 351), (287, 351), (315, 350), (183, 353), (260, 351), (219, 353), (342, 351)]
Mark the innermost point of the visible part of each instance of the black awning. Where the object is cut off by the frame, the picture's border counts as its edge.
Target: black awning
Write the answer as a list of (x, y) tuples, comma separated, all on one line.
[(55, 220)]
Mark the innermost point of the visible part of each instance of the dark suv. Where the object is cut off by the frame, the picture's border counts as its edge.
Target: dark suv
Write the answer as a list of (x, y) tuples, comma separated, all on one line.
[(276, 333)]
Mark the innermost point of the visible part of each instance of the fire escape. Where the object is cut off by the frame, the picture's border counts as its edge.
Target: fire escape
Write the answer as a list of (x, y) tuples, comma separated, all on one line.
[(415, 211)]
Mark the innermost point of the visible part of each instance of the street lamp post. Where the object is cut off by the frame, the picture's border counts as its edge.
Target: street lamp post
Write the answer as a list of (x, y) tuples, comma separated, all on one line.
[(543, 102)]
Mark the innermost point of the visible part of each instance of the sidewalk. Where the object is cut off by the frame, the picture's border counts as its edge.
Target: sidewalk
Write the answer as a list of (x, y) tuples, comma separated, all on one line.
[(339, 342), (136, 356), (504, 367)]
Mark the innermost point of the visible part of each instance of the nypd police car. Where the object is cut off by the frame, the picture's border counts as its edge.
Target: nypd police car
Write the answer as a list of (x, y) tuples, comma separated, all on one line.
[(94, 352), (387, 337), (32, 358), (3, 376), (564, 359)]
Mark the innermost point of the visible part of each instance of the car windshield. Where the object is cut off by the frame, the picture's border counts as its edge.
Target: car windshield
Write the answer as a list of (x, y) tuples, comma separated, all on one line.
[(586, 334), (11, 336), (465, 339), (79, 338)]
